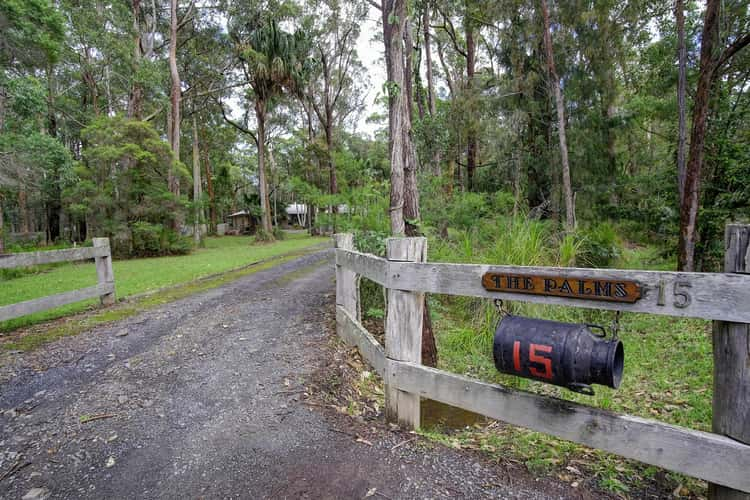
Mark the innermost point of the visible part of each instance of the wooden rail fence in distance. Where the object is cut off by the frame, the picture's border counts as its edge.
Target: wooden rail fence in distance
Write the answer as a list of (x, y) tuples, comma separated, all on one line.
[(722, 458), (104, 289)]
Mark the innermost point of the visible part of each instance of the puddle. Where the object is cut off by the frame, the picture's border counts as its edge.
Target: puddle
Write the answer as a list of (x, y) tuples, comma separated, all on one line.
[(436, 414)]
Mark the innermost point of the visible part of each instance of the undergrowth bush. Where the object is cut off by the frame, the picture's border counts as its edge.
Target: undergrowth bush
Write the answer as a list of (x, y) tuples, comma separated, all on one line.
[(263, 236), (151, 240), (600, 245)]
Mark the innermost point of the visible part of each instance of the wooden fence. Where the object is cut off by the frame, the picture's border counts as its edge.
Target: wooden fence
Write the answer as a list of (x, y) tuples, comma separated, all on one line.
[(722, 458), (104, 289)]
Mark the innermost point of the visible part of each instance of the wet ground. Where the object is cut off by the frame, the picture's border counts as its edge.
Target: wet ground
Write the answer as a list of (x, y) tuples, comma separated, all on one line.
[(209, 397)]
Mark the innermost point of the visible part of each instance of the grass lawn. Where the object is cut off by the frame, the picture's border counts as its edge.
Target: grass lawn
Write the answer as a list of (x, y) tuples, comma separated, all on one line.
[(137, 276), (667, 377)]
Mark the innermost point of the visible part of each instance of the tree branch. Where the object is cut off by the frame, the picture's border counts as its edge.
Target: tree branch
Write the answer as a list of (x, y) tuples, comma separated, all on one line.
[(730, 51), (236, 125)]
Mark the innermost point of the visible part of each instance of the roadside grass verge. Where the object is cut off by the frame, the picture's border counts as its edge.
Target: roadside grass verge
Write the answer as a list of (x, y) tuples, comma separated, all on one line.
[(133, 278), (668, 370), (668, 361)]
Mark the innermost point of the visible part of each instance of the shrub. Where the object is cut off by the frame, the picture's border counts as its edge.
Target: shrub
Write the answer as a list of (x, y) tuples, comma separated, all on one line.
[(152, 240), (600, 246), (503, 202), (569, 250), (278, 233), (146, 238), (466, 209), (370, 242), (263, 236)]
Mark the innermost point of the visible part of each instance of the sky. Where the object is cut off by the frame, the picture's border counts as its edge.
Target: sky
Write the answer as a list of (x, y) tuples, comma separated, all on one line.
[(371, 54)]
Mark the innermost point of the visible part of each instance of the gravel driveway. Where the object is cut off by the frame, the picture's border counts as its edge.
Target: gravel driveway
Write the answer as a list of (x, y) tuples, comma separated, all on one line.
[(205, 398)]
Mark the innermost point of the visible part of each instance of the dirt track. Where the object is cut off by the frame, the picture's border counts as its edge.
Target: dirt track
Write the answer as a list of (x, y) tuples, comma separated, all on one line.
[(206, 398)]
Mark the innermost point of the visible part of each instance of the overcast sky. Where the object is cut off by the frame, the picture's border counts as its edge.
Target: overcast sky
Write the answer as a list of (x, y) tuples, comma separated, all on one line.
[(371, 54)]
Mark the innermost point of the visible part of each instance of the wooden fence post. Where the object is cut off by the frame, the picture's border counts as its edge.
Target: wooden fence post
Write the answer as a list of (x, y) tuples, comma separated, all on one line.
[(104, 273), (731, 346), (347, 291), (403, 331)]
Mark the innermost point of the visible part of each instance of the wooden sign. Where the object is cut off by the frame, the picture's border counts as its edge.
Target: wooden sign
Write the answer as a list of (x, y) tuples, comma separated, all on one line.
[(561, 286)]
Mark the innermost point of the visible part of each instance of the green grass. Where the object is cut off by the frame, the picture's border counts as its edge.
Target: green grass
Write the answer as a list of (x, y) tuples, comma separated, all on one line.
[(37, 335), (668, 361), (137, 276)]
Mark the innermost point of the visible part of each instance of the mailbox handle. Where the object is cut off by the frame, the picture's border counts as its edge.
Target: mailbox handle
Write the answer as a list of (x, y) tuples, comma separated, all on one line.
[(592, 326)]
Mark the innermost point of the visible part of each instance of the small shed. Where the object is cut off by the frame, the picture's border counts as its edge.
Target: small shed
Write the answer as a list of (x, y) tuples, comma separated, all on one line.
[(242, 222)]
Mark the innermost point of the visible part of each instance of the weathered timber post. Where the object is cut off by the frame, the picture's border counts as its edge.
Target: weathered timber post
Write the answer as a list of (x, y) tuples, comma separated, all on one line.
[(104, 273), (347, 291), (403, 331), (731, 346)]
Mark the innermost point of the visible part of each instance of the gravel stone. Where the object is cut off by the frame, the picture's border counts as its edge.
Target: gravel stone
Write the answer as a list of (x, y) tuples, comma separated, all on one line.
[(213, 417)]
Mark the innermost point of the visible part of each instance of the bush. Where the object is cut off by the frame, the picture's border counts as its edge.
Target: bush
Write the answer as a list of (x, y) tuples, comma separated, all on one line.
[(263, 236), (278, 233), (370, 242), (599, 246), (466, 209), (503, 202), (153, 240), (146, 238)]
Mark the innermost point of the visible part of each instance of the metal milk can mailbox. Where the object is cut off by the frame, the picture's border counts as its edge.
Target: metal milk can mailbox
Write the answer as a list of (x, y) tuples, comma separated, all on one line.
[(565, 354)]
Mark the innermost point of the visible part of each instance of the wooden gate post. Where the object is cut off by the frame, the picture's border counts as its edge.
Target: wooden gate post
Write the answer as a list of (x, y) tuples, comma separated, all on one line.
[(104, 273), (731, 346), (347, 291), (403, 332)]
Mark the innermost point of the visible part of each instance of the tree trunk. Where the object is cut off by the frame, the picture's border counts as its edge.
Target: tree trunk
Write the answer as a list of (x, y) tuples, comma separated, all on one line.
[(404, 209), (24, 211), (570, 220), (679, 12), (135, 98), (690, 201), (333, 185), (431, 106), (471, 134), (409, 65), (608, 112), (265, 206), (209, 188), (394, 24), (175, 98), (53, 204), (196, 186)]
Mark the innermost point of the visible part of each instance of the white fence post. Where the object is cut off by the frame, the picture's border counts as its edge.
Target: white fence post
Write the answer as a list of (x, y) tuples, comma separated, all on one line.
[(403, 331), (104, 273), (731, 346)]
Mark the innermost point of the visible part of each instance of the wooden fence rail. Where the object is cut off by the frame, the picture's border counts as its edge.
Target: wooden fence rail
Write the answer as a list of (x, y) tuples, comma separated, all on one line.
[(722, 458), (104, 289)]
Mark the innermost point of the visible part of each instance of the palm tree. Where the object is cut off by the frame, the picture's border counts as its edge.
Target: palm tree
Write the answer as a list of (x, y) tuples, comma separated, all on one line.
[(274, 62)]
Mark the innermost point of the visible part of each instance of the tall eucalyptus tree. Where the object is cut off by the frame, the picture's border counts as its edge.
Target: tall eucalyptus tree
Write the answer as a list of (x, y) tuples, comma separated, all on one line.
[(335, 87)]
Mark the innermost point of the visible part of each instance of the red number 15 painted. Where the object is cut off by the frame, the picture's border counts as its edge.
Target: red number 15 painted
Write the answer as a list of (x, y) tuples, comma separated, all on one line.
[(534, 357)]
